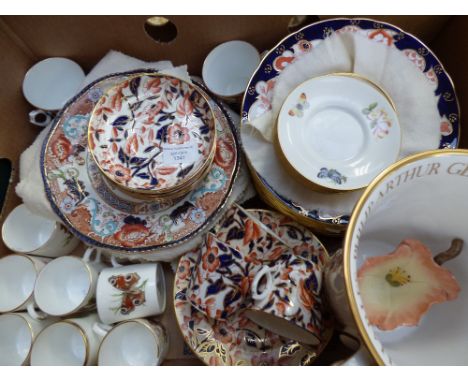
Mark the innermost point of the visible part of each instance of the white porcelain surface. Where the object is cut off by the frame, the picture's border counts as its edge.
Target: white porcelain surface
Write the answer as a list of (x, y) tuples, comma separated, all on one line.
[(17, 334), (25, 232), (228, 67), (18, 275), (129, 292), (338, 132), (134, 343), (51, 82), (71, 342), (423, 199), (67, 285)]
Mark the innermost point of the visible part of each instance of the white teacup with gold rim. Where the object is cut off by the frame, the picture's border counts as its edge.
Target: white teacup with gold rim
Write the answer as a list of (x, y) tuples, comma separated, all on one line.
[(407, 303), (26, 232), (71, 342), (18, 332), (18, 274), (67, 285), (129, 292), (132, 343)]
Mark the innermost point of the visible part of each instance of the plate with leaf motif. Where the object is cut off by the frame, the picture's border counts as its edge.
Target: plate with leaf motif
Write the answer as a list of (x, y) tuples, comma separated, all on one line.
[(152, 133), (239, 341), (110, 222)]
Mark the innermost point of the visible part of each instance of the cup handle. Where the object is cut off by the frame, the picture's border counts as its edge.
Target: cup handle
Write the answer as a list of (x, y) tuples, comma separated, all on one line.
[(39, 118), (89, 252), (37, 315), (265, 271), (114, 262), (360, 357), (101, 329)]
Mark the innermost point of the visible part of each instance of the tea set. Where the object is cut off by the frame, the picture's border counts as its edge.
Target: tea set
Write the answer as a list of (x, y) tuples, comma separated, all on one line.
[(143, 163)]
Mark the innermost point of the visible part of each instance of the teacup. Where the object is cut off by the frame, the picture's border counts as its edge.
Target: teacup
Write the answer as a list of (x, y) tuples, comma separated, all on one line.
[(18, 274), (242, 231), (129, 292), (133, 343), (71, 342), (17, 334), (25, 232), (221, 281), (51, 82), (67, 285), (228, 68), (286, 300)]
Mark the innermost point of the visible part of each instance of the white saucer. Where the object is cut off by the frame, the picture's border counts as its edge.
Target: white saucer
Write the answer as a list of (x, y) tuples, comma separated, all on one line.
[(52, 82), (338, 132)]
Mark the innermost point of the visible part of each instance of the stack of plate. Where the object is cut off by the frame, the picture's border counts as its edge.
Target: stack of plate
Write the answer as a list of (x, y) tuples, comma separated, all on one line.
[(154, 169), (153, 136), (334, 133)]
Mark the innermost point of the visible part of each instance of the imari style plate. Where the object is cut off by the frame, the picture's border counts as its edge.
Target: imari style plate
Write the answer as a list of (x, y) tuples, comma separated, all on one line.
[(338, 132), (105, 219), (259, 93), (238, 341), (152, 133)]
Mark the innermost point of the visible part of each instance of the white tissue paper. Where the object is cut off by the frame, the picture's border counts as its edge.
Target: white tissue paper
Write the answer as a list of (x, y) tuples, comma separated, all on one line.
[(410, 90)]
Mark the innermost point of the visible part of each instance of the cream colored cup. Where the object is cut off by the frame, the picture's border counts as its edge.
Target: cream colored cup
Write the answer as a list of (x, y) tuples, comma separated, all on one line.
[(18, 332)]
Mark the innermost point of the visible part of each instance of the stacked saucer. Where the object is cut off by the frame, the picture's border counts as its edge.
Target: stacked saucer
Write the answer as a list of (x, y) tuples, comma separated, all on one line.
[(153, 137)]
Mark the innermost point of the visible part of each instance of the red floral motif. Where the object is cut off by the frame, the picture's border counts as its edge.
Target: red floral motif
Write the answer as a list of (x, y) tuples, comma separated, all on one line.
[(176, 134), (132, 234), (252, 231), (446, 128), (116, 100), (184, 106), (131, 146), (150, 112), (303, 250), (210, 260), (381, 35), (224, 153), (153, 85), (62, 148), (184, 269), (223, 332), (120, 172), (275, 253), (252, 258), (306, 295)]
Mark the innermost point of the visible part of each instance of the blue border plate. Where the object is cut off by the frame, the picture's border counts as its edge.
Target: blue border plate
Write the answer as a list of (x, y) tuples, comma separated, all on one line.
[(303, 40)]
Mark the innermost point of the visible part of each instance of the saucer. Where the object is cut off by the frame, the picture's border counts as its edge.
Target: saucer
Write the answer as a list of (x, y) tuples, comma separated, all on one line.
[(152, 134), (239, 341), (112, 221), (338, 132)]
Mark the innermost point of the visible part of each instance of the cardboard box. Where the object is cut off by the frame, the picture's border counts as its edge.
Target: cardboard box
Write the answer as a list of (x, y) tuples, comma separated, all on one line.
[(25, 40)]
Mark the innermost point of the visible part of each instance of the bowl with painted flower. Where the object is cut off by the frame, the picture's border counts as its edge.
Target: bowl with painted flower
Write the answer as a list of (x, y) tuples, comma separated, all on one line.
[(401, 280), (153, 135), (338, 132)]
